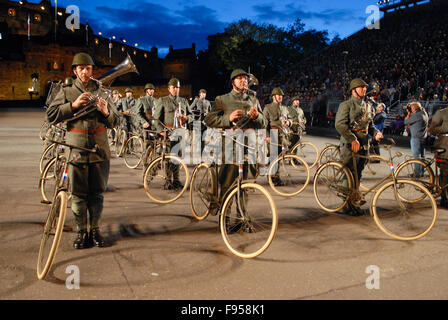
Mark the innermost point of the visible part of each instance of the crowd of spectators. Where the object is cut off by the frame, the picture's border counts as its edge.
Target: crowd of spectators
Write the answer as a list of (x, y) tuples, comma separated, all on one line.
[(407, 57)]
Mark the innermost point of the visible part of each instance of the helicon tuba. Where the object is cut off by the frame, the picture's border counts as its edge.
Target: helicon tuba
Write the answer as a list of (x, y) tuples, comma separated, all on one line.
[(126, 66), (179, 112)]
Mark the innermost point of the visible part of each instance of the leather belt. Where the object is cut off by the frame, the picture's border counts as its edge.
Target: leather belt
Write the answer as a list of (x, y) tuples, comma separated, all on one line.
[(148, 115), (359, 130), (275, 127), (91, 131), (169, 125)]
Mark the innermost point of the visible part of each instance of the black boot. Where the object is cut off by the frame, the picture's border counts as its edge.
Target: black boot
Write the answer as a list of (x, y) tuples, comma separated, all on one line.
[(82, 241), (96, 238)]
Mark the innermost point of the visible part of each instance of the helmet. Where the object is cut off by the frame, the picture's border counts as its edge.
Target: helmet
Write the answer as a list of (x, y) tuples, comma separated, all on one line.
[(115, 91), (355, 83), (294, 99), (149, 86), (277, 91), (82, 58), (68, 81), (129, 90), (238, 72), (174, 82), (203, 90)]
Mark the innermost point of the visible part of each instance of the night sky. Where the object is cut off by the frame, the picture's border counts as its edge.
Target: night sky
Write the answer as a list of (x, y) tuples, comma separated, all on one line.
[(180, 23)]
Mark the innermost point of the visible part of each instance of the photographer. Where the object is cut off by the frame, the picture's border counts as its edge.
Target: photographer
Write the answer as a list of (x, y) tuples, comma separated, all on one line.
[(417, 121)]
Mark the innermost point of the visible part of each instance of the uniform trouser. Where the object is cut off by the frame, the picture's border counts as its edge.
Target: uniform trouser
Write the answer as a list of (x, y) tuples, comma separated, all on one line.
[(172, 170), (88, 181), (228, 173), (347, 159)]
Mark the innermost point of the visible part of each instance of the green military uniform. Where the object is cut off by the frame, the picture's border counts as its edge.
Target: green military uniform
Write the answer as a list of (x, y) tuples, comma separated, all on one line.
[(128, 104), (88, 172), (165, 110), (218, 117), (354, 122), (145, 109), (439, 127)]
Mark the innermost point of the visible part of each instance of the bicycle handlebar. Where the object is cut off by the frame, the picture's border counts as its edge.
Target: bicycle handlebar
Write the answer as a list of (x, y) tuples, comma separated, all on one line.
[(94, 150)]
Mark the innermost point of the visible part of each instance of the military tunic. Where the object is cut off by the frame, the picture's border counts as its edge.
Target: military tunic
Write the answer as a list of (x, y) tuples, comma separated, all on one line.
[(146, 108), (128, 104), (88, 172), (218, 117), (354, 122), (298, 123)]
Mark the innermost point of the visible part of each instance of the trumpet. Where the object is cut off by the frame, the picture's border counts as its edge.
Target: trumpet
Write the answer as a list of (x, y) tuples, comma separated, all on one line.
[(124, 67), (179, 113), (244, 120)]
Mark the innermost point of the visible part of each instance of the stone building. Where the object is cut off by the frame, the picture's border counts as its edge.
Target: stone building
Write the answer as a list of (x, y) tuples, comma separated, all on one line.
[(37, 47)]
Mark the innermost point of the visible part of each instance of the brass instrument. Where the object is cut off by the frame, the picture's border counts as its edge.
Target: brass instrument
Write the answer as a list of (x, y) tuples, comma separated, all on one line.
[(107, 78), (253, 81), (177, 114)]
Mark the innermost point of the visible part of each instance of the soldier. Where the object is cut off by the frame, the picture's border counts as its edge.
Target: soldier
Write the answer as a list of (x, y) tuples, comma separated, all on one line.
[(166, 109), (278, 118), (200, 106), (298, 120), (146, 106), (88, 172), (126, 106), (354, 124), (439, 128), (228, 109), (116, 96)]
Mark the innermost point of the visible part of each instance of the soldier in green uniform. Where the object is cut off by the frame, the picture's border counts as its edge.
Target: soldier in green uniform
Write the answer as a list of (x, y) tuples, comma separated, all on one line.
[(146, 106), (88, 172), (278, 120), (227, 110), (172, 111), (126, 106), (354, 123), (200, 106), (439, 128), (298, 122)]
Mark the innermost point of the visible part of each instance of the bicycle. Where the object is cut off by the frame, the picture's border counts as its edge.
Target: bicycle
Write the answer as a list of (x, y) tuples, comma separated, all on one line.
[(56, 133), (288, 175), (54, 224), (248, 216), (159, 181), (397, 205), (430, 178), (374, 165)]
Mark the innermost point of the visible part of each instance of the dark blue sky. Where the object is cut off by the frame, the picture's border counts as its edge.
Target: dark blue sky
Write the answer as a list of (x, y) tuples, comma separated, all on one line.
[(180, 23)]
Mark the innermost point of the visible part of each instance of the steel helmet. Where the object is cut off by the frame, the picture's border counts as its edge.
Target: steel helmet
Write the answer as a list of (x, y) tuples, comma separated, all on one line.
[(82, 58)]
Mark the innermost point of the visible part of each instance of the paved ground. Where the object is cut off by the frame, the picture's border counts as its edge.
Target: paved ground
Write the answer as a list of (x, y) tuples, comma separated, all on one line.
[(161, 252)]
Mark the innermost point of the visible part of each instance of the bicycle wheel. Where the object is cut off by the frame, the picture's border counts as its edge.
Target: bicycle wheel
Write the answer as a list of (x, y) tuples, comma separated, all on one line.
[(307, 151), (48, 179), (249, 220), (112, 137), (120, 141), (51, 235), (332, 186), (406, 171), (401, 219), (288, 179), (376, 169), (159, 183), (329, 153), (48, 154), (133, 152), (203, 190)]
